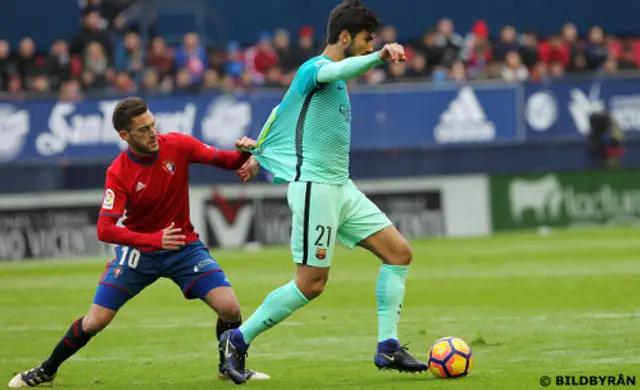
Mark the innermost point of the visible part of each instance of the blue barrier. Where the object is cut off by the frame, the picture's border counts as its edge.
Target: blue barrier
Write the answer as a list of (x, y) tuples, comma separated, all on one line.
[(561, 110), (385, 118), (46, 131)]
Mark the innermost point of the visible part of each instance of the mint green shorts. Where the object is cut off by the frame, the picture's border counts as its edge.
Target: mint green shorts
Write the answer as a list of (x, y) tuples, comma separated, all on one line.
[(323, 212)]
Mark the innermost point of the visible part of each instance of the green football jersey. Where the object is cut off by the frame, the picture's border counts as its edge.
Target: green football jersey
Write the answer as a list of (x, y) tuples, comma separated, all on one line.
[(308, 135)]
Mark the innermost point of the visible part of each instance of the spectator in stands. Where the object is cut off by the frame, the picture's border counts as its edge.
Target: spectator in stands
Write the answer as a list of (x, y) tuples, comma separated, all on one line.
[(7, 66), (557, 69), (478, 51), (505, 43), (184, 82), (70, 91), (418, 67), (609, 66), (306, 47), (234, 65), (211, 81), (388, 34), (458, 73), (273, 78), (396, 73), (630, 58), (259, 58), (160, 57), (284, 51), (528, 48), (92, 31), (96, 61), (570, 37), (27, 63), (129, 56), (449, 41), (40, 87), (597, 50), (430, 49), (15, 87), (124, 84), (555, 50), (88, 82), (150, 82), (513, 70), (58, 65), (192, 58)]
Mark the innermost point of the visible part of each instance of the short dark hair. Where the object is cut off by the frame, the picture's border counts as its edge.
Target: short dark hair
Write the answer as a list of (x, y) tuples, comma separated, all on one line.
[(352, 16), (126, 110)]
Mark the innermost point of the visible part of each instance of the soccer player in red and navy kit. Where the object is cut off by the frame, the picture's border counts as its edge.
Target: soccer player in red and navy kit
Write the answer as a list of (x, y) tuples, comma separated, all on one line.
[(148, 184)]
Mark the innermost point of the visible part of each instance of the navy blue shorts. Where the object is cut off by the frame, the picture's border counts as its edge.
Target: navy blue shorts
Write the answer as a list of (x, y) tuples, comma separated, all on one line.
[(192, 268)]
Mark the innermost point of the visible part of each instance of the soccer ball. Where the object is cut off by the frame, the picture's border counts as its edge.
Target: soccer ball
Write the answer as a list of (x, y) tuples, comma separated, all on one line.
[(450, 357)]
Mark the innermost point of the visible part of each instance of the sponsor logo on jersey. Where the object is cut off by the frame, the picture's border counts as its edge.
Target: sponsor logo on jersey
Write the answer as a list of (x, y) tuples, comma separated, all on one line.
[(109, 199)]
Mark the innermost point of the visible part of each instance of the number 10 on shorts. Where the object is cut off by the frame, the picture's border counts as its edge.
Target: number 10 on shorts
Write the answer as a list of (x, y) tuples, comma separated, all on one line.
[(131, 256)]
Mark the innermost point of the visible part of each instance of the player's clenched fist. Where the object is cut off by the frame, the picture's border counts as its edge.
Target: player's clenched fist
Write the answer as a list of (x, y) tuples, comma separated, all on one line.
[(172, 238), (249, 170), (246, 143), (392, 52)]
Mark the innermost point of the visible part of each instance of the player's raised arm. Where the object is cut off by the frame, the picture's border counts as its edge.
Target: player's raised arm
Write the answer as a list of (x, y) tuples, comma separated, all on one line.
[(201, 153), (353, 67)]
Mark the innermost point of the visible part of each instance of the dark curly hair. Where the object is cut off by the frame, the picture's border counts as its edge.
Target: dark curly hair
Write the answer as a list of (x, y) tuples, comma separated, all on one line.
[(352, 16), (126, 110)]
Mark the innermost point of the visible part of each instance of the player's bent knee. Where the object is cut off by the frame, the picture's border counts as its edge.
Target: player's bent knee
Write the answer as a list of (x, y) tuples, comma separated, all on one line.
[(311, 280), (402, 255), (97, 319), (311, 288), (406, 254), (230, 312)]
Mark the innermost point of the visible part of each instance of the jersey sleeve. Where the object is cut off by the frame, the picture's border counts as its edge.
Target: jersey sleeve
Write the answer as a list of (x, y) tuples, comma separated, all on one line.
[(201, 153), (307, 77), (115, 196)]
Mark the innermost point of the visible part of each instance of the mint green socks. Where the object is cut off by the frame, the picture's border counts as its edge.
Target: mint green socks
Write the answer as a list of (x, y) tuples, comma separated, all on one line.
[(277, 306), (390, 294)]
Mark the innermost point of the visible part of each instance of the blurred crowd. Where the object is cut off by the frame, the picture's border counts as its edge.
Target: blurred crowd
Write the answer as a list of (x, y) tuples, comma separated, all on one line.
[(104, 58)]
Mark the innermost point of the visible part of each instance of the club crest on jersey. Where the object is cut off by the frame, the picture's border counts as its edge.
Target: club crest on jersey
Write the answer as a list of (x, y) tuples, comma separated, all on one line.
[(321, 253), (117, 272), (169, 166)]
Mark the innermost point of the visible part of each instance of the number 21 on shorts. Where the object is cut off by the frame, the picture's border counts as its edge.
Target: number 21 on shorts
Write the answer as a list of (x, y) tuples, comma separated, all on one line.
[(131, 256), (323, 241)]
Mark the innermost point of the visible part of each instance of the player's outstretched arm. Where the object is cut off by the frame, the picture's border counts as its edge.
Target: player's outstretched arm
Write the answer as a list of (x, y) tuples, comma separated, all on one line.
[(353, 67), (229, 160)]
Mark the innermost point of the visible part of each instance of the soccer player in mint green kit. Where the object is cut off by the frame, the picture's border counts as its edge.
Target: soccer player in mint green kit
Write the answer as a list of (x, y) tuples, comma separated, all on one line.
[(306, 142)]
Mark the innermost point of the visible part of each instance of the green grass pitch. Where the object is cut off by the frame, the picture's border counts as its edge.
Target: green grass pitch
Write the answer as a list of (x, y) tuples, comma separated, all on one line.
[(529, 305)]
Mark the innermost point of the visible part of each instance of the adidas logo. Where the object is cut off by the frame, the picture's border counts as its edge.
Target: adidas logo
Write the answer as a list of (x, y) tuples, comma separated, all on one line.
[(464, 121), (140, 186)]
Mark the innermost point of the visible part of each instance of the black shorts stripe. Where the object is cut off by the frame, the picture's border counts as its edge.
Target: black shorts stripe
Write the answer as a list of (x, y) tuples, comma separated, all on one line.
[(300, 131), (305, 229)]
